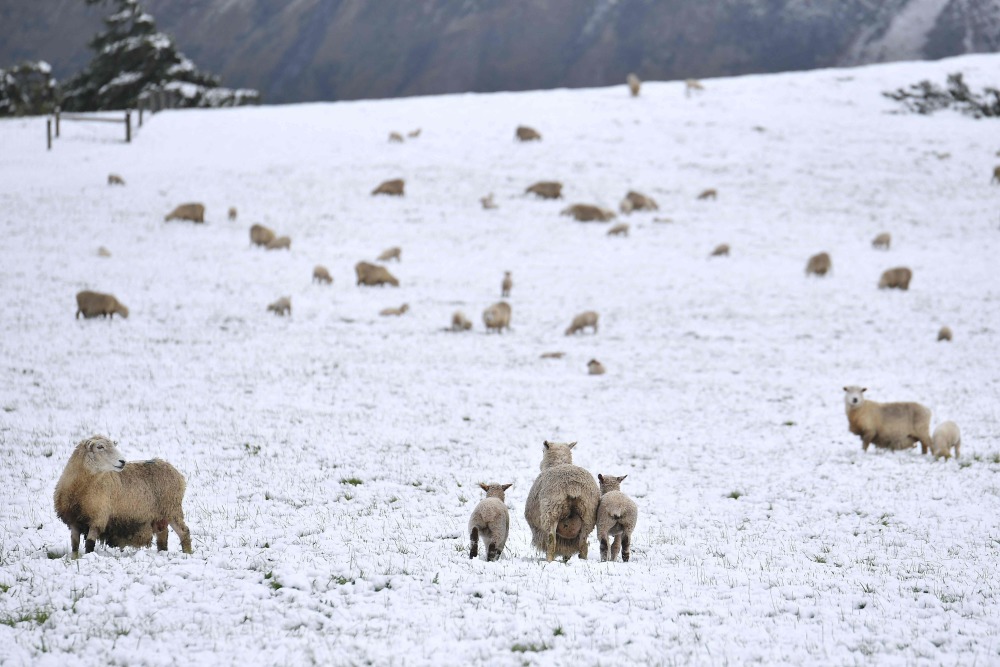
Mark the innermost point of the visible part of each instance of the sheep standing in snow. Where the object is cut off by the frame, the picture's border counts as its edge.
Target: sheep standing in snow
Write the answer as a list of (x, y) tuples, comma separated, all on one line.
[(946, 437), (261, 235), (506, 284), (525, 133), (322, 275), (192, 212), (115, 179), (373, 274), (588, 213), (489, 522), (692, 86), (882, 241), (122, 504), (594, 367), (710, 193), (393, 188), (487, 202), (413, 134), (889, 425), (91, 304), (616, 517), (818, 265), (395, 138), (944, 333), (394, 312), (897, 278), (279, 243), (634, 84), (497, 317), (636, 201), (103, 252), (282, 306), (563, 494), (620, 229), (996, 175), (587, 318), (721, 250), (459, 322), (232, 213), (391, 253), (545, 189)]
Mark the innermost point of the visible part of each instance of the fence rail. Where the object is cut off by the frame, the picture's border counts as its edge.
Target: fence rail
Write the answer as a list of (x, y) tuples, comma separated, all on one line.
[(60, 116)]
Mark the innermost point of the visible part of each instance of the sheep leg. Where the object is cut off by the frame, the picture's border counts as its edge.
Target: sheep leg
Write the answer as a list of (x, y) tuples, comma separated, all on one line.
[(74, 540), (925, 444), (865, 441), (161, 535), (583, 545), (474, 543), (616, 547), (182, 531), (491, 552), (550, 552), (626, 547), (604, 548), (958, 445)]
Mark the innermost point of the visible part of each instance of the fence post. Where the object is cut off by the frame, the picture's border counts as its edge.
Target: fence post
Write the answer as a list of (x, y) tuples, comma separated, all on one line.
[(140, 113), (48, 133), (128, 126), (57, 122)]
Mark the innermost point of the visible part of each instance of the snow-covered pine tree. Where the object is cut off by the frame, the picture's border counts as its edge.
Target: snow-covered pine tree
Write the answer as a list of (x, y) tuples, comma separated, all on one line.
[(132, 57), (27, 89)]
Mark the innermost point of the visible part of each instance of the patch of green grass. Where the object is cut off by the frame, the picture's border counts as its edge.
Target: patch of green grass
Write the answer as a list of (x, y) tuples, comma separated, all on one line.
[(353, 481), (343, 581), (735, 495), (4, 588), (788, 423), (252, 450), (53, 555), (38, 616), (558, 632)]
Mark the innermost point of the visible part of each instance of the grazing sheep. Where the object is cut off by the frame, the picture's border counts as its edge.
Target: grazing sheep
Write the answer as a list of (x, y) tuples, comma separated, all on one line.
[(413, 134), (721, 250), (232, 213), (321, 275), (488, 202), (587, 318), (261, 235), (192, 212), (996, 175), (546, 189), (636, 201), (115, 179), (525, 133), (616, 517), (394, 311), (392, 187), (897, 278), (692, 86), (944, 333), (710, 193), (634, 84), (619, 229), (561, 508), (489, 521), (594, 367), (882, 241), (506, 284), (890, 425), (282, 306), (279, 243), (103, 252), (395, 138), (373, 274), (122, 504), (91, 304), (497, 317), (459, 322), (553, 355), (588, 213), (946, 437), (390, 253), (818, 265)]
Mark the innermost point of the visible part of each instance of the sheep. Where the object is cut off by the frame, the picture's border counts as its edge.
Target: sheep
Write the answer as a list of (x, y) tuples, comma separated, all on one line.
[(91, 304), (282, 306), (322, 275), (487, 202), (636, 201), (633, 84), (710, 193), (394, 311), (818, 264), (497, 317), (588, 213), (261, 235), (373, 274), (996, 175), (890, 425), (619, 229), (944, 333), (898, 278), (489, 521), (616, 517), (413, 134), (279, 243), (103, 252), (594, 367), (459, 322), (691, 86), (553, 355), (882, 241), (721, 250), (395, 138), (121, 504), (192, 212), (506, 284), (391, 253), (232, 213), (946, 437), (588, 318), (115, 179), (392, 188), (561, 508), (545, 189), (525, 133)]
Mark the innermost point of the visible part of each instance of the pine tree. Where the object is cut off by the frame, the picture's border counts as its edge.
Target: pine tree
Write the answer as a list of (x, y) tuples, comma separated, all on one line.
[(27, 89)]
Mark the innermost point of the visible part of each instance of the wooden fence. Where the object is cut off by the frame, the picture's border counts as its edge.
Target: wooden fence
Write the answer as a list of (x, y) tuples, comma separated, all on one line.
[(59, 116)]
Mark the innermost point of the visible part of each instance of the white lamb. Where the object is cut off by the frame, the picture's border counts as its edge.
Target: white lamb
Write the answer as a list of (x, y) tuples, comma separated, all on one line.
[(489, 522)]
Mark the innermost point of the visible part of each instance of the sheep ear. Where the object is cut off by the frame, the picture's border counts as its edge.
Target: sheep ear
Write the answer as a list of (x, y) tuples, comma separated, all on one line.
[(622, 478), (507, 486), (845, 388), (484, 487), (864, 389), (546, 444), (600, 477), (572, 444)]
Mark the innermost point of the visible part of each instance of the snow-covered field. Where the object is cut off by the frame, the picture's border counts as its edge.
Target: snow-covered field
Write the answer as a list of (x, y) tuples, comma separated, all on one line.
[(332, 457)]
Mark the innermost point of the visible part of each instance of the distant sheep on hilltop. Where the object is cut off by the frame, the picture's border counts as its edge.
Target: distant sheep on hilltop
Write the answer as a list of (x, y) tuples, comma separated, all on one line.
[(192, 212)]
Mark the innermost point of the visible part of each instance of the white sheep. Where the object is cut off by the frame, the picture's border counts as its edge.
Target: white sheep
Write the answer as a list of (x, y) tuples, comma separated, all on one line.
[(391, 253), (373, 274), (692, 86), (487, 202), (322, 275), (890, 425), (721, 250), (818, 265), (91, 304), (497, 317), (561, 508), (545, 189), (232, 213), (710, 193), (122, 504), (616, 517), (393, 187), (395, 138), (282, 306), (882, 241), (115, 179), (506, 284), (396, 312), (897, 278), (261, 235), (489, 522), (588, 213), (619, 229), (459, 322), (636, 201), (279, 243), (587, 318), (944, 333), (525, 133), (634, 84), (192, 212), (946, 437), (594, 367)]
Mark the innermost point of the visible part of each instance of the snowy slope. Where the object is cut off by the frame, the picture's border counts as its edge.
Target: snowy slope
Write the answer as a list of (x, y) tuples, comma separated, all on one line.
[(332, 457)]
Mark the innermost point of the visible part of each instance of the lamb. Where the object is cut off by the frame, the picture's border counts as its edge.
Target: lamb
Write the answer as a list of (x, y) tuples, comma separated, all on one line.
[(413, 134), (459, 322), (890, 425), (818, 264), (392, 188), (616, 517), (553, 355), (103, 252), (588, 213), (561, 508), (588, 318), (489, 521), (944, 333), (115, 179), (261, 235), (898, 278), (373, 274), (321, 275), (497, 317), (546, 189), (619, 229), (282, 306), (395, 138), (390, 253), (192, 212), (633, 84), (232, 213), (394, 311), (91, 304), (882, 241), (525, 133), (487, 202), (946, 437), (506, 284), (594, 367), (636, 201), (691, 86), (121, 504), (721, 250), (279, 243), (996, 175), (710, 193)]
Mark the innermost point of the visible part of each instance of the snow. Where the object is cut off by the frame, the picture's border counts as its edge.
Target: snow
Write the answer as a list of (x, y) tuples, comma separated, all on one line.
[(332, 457), (904, 38)]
